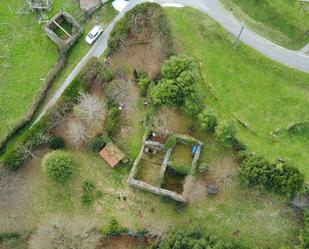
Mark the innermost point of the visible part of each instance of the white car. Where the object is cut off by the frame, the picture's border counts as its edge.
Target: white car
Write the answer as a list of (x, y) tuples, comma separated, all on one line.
[(94, 34), (120, 5)]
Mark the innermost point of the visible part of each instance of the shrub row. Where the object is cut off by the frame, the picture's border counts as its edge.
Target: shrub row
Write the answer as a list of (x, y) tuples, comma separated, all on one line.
[(279, 177), (195, 238)]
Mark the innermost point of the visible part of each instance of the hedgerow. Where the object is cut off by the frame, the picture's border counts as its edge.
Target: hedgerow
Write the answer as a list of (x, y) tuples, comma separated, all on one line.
[(279, 177), (196, 239)]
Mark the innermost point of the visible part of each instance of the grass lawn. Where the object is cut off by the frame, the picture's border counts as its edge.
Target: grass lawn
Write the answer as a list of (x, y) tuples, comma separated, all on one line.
[(244, 84), (261, 219), (282, 21), (27, 55)]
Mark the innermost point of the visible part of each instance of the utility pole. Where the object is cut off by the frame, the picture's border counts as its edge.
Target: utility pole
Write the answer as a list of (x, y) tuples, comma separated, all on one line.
[(238, 37)]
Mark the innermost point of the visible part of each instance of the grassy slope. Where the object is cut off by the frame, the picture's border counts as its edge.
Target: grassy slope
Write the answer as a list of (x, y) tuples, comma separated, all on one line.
[(280, 20), (260, 92), (30, 55)]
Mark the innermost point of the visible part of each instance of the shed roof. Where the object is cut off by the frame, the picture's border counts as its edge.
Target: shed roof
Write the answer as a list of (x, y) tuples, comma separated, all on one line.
[(111, 154)]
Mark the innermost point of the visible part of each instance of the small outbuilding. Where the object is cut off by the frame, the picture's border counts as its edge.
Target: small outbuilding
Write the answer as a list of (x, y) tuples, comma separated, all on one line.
[(63, 29), (111, 154)]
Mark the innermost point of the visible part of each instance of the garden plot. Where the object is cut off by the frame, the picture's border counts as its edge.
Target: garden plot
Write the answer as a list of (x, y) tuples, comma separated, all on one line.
[(181, 158), (149, 168), (169, 181)]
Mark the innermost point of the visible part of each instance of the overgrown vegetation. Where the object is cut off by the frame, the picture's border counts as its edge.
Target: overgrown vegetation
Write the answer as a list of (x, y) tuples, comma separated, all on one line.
[(144, 20), (197, 239)]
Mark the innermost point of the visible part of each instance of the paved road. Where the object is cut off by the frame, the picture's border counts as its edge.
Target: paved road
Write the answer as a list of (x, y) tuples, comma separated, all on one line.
[(216, 11)]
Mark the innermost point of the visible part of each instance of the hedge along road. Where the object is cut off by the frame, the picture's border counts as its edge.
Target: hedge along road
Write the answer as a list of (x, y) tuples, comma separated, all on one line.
[(215, 10)]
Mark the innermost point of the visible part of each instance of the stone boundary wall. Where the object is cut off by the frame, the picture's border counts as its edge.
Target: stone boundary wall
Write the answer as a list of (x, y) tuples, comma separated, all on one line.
[(188, 139), (154, 145), (155, 190), (164, 164)]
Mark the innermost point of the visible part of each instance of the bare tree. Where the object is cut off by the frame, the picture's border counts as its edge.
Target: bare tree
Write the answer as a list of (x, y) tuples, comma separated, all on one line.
[(90, 108), (118, 92), (61, 233), (77, 133)]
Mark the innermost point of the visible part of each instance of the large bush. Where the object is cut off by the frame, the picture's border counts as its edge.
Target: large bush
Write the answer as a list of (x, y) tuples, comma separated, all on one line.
[(226, 133), (196, 239), (97, 143), (178, 82), (279, 177), (207, 120), (59, 166), (56, 143)]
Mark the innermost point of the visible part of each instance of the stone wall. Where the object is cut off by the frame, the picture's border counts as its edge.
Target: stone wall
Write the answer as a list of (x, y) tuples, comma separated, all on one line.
[(155, 190), (67, 43)]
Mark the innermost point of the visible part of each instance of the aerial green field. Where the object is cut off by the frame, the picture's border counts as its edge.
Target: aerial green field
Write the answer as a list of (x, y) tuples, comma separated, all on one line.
[(27, 55), (282, 21), (248, 87), (239, 84)]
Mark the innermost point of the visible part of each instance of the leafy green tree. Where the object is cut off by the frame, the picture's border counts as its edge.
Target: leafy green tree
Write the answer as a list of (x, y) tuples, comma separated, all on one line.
[(286, 179), (193, 104), (255, 171), (280, 178), (207, 120), (175, 65), (59, 166), (164, 93), (226, 133), (178, 82)]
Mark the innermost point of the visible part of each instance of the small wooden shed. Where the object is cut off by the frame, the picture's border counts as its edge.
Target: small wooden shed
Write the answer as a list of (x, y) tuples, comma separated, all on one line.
[(111, 154)]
